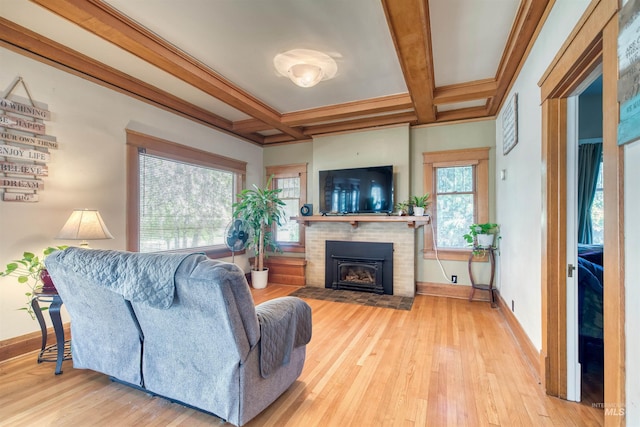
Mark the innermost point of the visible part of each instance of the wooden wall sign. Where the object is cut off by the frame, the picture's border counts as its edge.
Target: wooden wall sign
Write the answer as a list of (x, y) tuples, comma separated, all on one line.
[(629, 72), (22, 124), (25, 110), (29, 140), (19, 153), (24, 146), (23, 169), (27, 184), (19, 197)]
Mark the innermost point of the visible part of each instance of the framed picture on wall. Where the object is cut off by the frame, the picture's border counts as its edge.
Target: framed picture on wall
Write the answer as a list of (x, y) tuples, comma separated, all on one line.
[(510, 125)]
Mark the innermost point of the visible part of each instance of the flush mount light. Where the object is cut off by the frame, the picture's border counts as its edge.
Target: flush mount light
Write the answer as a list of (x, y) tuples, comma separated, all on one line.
[(305, 67)]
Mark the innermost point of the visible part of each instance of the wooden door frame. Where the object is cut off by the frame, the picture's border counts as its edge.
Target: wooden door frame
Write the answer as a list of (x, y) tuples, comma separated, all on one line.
[(593, 42)]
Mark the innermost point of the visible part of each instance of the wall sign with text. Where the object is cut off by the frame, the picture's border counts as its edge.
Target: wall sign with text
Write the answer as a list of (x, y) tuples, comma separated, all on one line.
[(24, 146), (510, 125), (629, 72)]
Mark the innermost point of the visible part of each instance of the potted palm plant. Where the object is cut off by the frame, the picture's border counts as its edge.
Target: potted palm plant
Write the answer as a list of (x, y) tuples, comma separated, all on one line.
[(261, 208)]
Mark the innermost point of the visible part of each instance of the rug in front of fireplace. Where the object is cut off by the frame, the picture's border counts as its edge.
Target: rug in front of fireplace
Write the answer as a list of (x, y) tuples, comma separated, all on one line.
[(354, 297)]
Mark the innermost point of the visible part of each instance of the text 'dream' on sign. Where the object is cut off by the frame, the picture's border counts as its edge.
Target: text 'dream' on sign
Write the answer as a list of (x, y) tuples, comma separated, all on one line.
[(19, 153), (22, 124), (29, 140), (19, 197), (24, 184)]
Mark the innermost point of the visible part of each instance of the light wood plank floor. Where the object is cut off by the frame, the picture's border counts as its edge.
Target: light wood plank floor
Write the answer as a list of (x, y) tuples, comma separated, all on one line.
[(446, 362)]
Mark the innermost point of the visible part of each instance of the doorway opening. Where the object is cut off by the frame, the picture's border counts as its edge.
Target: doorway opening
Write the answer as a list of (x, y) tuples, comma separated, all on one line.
[(585, 243), (592, 44)]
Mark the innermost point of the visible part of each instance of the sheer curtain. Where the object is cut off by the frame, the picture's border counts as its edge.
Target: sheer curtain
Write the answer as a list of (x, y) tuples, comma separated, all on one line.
[(589, 156)]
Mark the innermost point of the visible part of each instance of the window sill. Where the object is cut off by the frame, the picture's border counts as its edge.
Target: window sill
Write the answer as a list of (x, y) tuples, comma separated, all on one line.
[(213, 252), (452, 255)]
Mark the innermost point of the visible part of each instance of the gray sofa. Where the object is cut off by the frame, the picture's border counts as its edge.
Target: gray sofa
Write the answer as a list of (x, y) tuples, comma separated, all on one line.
[(181, 326)]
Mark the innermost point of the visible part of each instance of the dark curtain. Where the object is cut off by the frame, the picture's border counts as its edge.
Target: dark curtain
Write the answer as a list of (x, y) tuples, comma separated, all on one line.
[(589, 157)]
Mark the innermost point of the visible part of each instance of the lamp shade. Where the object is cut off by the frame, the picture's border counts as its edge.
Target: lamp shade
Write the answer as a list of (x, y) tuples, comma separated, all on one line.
[(85, 224)]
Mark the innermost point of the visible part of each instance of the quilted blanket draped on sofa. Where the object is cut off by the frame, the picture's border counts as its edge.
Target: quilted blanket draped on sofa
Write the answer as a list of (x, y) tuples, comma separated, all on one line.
[(181, 326)]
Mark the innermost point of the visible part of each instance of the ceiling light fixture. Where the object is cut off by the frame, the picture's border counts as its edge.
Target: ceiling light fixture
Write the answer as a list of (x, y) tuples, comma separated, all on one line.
[(305, 68)]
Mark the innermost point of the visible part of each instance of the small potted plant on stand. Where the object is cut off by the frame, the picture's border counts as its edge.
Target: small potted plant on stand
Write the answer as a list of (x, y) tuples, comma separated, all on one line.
[(481, 236), (261, 208), (420, 203), (31, 271)]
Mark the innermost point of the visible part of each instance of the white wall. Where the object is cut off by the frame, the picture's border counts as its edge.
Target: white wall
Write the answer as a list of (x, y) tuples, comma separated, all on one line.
[(88, 170), (451, 137), (376, 147), (632, 285), (519, 197)]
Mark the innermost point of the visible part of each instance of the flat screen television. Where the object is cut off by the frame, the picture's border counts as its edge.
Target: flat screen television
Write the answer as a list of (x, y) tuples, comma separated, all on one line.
[(356, 191)]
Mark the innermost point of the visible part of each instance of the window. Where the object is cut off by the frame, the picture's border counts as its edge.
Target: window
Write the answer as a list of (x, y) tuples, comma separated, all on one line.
[(458, 181), (597, 212), (292, 179), (455, 196), (179, 198)]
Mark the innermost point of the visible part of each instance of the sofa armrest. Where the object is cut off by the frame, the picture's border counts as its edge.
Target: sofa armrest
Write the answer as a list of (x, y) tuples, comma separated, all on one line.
[(285, 324)]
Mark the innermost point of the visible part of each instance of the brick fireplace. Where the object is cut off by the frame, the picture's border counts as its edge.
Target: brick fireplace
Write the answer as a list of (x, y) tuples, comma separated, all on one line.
[(393, 231)]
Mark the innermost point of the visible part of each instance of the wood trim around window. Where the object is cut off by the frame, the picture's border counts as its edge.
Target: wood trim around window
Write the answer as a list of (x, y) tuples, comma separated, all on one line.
[(173, 151), (292, 171), (467, 157)]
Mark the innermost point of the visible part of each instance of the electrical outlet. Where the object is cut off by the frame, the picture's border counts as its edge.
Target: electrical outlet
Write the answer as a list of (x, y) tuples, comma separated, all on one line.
[(454, 279), (513, 307)]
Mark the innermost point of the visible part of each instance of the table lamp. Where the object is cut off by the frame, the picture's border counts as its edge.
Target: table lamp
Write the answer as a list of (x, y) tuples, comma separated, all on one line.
[(84, 224)]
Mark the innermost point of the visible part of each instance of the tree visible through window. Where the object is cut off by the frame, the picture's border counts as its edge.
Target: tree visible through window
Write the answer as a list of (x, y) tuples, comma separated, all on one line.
[(458, 181), (182, 205), (289, 231), (178, 197), (455, 204), (292, 179)]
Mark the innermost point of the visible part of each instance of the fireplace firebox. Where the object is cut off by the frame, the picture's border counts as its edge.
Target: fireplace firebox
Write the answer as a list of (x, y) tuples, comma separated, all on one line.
[(359, 266)]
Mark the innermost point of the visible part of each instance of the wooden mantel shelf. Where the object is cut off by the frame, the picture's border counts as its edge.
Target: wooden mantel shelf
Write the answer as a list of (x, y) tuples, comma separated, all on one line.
[(354, 220)]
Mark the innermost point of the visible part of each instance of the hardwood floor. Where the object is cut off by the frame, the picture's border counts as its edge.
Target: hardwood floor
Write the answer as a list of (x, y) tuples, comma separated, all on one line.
[(445, 362)]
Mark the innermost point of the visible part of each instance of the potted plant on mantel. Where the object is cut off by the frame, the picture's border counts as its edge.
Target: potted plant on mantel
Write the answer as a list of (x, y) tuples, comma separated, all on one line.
[(31, 271), (415, 205), (420, 203), (402, 208), (261, 208), (481, 236)]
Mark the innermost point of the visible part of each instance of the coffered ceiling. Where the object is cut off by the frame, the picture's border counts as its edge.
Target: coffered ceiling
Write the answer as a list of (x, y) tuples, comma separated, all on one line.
[(399, 61)]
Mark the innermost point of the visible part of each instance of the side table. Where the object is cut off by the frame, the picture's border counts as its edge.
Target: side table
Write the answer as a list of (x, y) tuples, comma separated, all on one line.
[(61, 350), (488, 286)]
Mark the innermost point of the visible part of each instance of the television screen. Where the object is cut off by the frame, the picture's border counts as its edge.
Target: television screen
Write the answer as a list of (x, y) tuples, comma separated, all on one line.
[(357, 190)]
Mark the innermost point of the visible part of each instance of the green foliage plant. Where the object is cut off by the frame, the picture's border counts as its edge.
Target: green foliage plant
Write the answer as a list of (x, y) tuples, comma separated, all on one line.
[(27, 271), (402, 207), (262, 209), (420, 201), (475, 229)]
